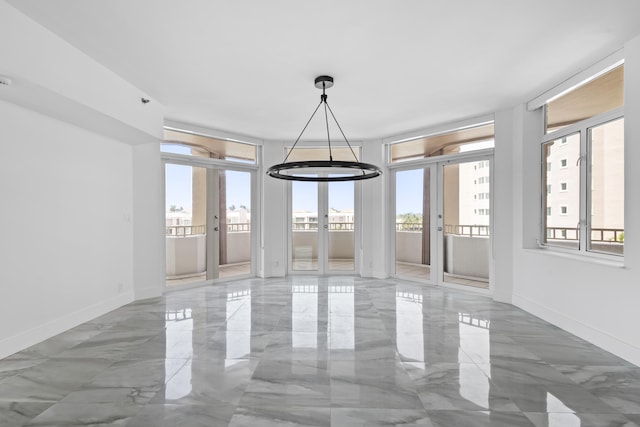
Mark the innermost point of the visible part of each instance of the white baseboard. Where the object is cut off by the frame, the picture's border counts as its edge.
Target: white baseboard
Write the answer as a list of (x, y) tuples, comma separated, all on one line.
[(149, 292), (595, 336), (22, 340), (379, 274)]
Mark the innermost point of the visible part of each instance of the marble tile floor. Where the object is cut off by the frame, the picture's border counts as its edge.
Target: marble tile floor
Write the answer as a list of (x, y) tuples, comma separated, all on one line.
[(310, 351)]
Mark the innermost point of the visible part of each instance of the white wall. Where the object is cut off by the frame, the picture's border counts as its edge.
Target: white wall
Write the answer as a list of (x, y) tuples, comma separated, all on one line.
[(148, 221), (69, 249), (274, 239), (51, 76), (66, 250), (508, 134), (374, 229), (594, 300)]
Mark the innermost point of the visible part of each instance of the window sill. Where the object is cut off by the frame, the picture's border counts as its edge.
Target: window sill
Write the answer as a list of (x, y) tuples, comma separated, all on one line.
[(591, 258)]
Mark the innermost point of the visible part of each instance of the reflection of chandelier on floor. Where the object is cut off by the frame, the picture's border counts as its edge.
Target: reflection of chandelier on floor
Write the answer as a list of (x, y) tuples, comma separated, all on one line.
[(342, 170)]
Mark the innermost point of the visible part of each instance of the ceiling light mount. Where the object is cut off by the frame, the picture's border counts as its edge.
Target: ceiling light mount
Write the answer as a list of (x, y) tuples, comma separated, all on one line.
[(324, 170), (323, 82)]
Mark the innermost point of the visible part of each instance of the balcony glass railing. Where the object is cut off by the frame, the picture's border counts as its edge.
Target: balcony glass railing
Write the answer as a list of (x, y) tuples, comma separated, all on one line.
[(192, 230), (333, 226)]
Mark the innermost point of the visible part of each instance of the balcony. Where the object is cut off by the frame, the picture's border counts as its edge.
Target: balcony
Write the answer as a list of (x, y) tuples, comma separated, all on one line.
[(606, 240), (466, 249), (186, 252), (466, 253)]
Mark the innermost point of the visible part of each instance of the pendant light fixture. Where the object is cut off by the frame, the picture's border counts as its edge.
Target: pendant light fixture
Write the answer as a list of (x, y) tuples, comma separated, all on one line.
[(324, 170)]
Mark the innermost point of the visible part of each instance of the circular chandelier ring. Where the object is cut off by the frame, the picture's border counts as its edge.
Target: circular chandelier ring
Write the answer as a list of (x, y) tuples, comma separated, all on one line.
[(290, 171), (368, 170)]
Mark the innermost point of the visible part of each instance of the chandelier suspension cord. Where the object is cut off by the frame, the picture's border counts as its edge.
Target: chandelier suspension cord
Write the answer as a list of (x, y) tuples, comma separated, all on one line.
[(326, 120), (304, 170), (300, 136), (343, 135), (323, 98)]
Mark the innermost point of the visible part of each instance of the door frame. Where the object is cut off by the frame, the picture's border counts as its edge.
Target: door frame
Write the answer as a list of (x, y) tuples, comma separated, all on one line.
[(213, 238), (436, 166), (323, 236)]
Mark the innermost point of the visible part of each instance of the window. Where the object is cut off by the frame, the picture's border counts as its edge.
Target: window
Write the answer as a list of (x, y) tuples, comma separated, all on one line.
[(192, 144), (597, 96), (585, 134), (467, 139), (606, 195)]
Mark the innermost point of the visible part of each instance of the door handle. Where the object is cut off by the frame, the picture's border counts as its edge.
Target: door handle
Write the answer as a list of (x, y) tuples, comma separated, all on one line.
[(325, 226), (215, 228), (439, 228)]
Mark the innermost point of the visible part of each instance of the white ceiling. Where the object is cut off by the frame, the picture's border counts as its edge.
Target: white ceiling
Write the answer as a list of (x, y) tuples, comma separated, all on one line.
[(247, 66)]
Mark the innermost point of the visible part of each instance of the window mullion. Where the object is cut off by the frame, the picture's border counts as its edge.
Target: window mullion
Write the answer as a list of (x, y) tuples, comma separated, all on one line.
[(584, 160)]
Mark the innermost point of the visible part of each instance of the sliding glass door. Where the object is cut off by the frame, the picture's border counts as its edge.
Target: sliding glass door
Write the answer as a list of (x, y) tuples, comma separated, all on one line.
[(466, 210), (323, 227), (412, 223), (442, 222), (208, 223)]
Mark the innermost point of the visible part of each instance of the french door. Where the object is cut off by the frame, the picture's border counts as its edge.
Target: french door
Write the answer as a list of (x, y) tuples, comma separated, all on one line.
[(323, 227), (442, 222), (208, 223)]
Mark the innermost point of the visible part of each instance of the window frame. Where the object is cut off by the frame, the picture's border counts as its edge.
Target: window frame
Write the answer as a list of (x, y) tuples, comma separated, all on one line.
[(584, 129)]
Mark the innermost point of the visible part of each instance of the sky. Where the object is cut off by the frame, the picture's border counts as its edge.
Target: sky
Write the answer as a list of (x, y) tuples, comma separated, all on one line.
[(409, 186), (178, 191), (178, 187)]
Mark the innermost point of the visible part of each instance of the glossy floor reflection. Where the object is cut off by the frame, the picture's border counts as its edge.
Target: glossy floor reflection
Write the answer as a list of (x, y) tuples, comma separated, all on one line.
[(310, 351)]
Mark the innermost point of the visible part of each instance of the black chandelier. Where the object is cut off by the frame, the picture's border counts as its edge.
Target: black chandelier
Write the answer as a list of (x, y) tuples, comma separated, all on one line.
[(347, 170)]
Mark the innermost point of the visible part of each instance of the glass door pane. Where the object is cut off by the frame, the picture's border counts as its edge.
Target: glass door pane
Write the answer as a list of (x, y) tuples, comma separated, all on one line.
[(413, 234), (235, 223), (304, 226), (341, 215), (562, 186), (466, 214), (186, 223), (607, 188)]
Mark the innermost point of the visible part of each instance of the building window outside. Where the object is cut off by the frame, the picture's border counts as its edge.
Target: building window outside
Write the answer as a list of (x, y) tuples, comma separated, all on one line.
[(587, 141)]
